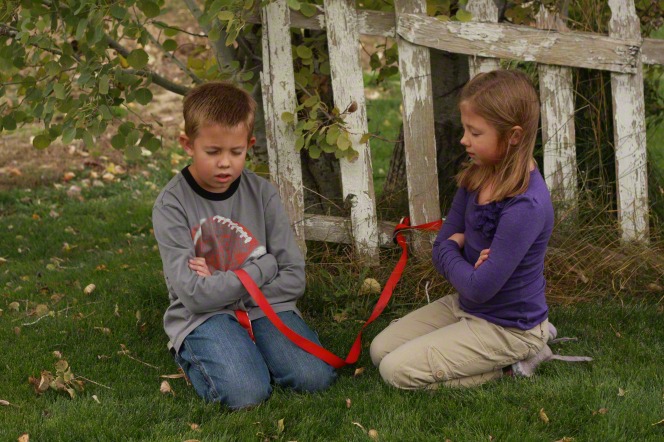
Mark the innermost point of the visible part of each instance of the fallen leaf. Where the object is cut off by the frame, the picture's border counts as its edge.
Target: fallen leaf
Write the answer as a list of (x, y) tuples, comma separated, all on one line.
[(358, 371), (2, 261), (89, 289), (369, 287), (57, 354), (13, 171), (621, 392), (543, 417), (53, 214), (359, 425), (74, 192), (655, 287), (165, 388), (25, 437), (68, 176), (17, 331), (280, 426), (373, 434), (192, 440), (41, 309), (659, 423), (600, 411), (5, 403), (108, 177), (565, 439), (116, 312), (104, 330), (340, 317), (100, 267), (347, 402), (195, 427), (173, 376), (36, 216), (15, 306)]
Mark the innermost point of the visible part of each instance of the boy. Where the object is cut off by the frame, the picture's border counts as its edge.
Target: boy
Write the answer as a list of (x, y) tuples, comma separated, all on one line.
[(214, 217)]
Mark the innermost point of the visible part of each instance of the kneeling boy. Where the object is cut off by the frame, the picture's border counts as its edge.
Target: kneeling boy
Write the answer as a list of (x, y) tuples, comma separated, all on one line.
[(214, 217)]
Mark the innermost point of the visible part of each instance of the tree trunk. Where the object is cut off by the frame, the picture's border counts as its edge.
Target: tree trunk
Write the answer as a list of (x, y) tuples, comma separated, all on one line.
[(451, 73)]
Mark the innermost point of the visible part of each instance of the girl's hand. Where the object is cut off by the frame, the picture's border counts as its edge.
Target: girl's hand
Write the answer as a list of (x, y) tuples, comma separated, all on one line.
[(199, 266), (459, 238), (484, 255)]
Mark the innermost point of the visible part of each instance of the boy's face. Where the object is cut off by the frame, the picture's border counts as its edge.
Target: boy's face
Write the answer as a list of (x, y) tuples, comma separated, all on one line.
[(218, 155)]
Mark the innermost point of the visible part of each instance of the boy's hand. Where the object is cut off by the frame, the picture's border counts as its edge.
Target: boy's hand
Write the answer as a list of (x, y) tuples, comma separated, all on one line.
[(484, 255), (199, 266), (459, 238)]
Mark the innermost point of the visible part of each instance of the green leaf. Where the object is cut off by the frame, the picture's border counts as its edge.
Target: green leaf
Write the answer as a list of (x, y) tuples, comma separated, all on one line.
[(463, 16), (153, 145), (8, 122), (80, 29), (59, 91), (214, 33), (308, 10), (246, 76), (332, 135), (325, 68), (226, 15), (365, 138), (103, 84), (105, 112), (287, 117), (138, 58), (150, 9), (314, 151), (171, 32), (248, 4), (170, 45), (132, 137), (304, 52), (88, 140), (118, 141), (311, 101), (118, 11), (299, 144), (343, 142), (52, 68), (68, 135), (143, 95), (294, 5), (41, 141)]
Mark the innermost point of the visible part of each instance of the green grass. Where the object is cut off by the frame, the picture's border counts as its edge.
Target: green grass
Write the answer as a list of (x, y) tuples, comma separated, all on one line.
[(110, 245)]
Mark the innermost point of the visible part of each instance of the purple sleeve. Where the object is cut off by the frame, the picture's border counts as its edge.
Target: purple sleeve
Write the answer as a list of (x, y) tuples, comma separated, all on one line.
[(454, 223), (519, 225)]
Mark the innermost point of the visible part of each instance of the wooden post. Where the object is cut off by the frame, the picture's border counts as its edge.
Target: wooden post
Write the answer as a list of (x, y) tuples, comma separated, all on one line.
[(278, 86), (348, 86), (558, 133), (629, 130), (483, 11), (419, 131)]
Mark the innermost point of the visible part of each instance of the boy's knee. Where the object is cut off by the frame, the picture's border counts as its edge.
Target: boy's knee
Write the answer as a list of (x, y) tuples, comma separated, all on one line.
[(245, 395), (310, 379)]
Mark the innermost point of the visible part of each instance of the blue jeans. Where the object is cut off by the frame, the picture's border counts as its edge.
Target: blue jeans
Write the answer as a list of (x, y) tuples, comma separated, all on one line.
[(225, 365)]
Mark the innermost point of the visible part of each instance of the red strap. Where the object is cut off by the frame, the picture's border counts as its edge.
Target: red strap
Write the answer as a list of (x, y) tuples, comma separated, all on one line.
[(245, 322), (354, 353)]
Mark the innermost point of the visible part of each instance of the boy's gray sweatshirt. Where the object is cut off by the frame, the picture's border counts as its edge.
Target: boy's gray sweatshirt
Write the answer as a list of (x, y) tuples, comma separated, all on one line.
[(245, 227)]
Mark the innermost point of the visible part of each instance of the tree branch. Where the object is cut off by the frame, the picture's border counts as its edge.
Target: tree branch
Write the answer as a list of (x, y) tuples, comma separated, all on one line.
[(11, 32), (156, 78), (174, 59)]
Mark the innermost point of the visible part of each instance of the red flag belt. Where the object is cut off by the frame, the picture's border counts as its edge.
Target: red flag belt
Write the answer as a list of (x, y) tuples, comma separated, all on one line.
[(386, 294)]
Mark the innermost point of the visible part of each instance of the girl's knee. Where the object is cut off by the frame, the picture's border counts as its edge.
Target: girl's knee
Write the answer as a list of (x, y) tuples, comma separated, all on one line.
[(378, 350), (394, 372)]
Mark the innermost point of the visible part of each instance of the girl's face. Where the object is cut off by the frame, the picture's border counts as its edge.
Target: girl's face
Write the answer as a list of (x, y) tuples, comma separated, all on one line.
[(481, 139)]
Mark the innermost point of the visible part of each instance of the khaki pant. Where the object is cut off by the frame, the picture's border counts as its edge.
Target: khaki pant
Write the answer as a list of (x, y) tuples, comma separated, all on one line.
[(440, 344)]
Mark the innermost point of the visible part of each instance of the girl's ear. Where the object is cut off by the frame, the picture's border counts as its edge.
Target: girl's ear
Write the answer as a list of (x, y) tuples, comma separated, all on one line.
[(516, 134)]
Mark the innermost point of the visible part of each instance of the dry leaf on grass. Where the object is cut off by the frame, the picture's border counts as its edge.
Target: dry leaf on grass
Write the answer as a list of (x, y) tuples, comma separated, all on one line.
[(195, 427), (370, 287), (565, 439), (658, 423), (57, 354), (358, 371), (347, 402), (25, 437), (600, 411), (543, 417), (15, 306), (373, 434), (89, 289), (165, 388), (280, 426), (95, 398), (173, 376), (621, 392), (5, 403)]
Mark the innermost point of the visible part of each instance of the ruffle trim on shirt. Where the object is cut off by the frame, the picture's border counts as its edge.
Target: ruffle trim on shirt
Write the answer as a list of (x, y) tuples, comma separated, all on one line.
[(486, 217)]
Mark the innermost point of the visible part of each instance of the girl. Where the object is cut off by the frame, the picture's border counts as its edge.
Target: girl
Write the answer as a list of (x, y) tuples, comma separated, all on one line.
[(491, 249)]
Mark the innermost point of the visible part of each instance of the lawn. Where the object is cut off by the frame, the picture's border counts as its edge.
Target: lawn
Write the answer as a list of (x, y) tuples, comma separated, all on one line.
[(54, 246)]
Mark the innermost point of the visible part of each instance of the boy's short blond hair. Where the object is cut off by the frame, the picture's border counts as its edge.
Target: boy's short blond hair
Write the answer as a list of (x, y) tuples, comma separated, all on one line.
[(218, 102)]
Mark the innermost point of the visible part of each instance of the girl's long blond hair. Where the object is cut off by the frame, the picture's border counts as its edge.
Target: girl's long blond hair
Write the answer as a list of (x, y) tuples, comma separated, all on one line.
[(504, 99)]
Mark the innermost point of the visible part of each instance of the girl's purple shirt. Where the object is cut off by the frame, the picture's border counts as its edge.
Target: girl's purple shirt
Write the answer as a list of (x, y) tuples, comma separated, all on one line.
[(508, 288)]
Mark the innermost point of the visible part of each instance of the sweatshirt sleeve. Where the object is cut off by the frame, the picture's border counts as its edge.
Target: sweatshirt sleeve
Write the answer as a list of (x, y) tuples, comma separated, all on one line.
[(289, 283), (454, 223), (199, 294), (519, 225)]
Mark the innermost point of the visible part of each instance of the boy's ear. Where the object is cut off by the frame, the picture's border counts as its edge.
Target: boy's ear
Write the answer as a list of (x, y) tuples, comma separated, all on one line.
[(186, 144), (516, 134), (251, 142)]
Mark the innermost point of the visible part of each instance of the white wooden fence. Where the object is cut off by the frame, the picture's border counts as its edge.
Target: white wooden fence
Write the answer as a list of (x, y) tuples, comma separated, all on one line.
[(555, 50)]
